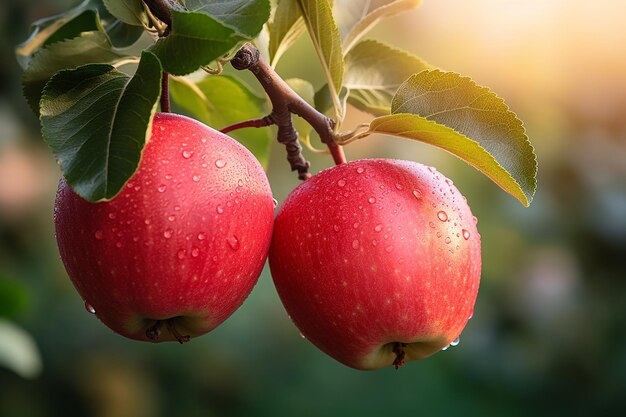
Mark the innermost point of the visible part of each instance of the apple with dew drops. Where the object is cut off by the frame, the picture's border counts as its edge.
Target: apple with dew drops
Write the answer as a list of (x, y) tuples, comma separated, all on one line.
[(377, 261), (181, 247)]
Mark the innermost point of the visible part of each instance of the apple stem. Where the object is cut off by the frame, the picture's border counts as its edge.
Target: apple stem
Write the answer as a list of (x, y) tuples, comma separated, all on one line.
[(286, 103), (262, 122), (398, 349), (174, 332), (154, 332), (165, 93)]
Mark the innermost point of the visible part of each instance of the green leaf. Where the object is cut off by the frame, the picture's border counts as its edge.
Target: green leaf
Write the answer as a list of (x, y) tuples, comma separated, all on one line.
[(246, 17), (89, 47), (12, 297), (196, 39), (324, 102), (323, 31), (18, 351), (130, 12), (123, 35), (97, 121), (454, 113), (356, 17), (87, 21), (219, 101), (374, 71), (284, 29)]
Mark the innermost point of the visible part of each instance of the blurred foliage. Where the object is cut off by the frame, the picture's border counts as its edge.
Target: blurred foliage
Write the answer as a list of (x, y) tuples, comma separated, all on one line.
[(547, 337)]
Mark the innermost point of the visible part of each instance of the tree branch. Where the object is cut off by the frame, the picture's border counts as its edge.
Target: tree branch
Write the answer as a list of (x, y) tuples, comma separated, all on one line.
[(286, 102)]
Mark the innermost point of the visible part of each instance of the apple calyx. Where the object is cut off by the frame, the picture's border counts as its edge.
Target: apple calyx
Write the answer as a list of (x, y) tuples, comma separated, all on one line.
[(154, 332)]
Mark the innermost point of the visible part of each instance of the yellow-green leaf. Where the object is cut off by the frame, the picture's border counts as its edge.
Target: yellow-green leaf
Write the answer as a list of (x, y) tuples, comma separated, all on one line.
[(374, 71), (454, 113), (324, 33), (284, 29), (356, 17)]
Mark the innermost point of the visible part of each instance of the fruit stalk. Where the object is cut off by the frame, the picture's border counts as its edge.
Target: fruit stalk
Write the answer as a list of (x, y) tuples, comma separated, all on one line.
[(286, 102)]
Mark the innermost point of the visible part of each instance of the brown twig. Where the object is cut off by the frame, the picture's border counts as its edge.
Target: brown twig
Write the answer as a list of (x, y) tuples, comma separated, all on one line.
[(285, 103), (262, 122), (165, 93)]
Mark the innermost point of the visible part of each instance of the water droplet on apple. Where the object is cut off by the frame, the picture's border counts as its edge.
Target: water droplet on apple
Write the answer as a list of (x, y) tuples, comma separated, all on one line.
[(442, 215), (356, 225), (449, 182), (448, 240), (168, 233), (475, 219), (417, 194), (118, 244), (275, 202), (99, 235), (341, 183), (378, 228), (196, 178), (112, 216), (399, 186), (388, 249), (162, 188), (446, 347), (335, 228), (195, 252), (171, 217), (431, 224), (201, 236), (181, 254), (302, 335), (219, 209), (147, 221), (455, 342), (466, 234), (187, 154), (89, 308), (360, 170), (233, 242), (372, 200), (220, 163)]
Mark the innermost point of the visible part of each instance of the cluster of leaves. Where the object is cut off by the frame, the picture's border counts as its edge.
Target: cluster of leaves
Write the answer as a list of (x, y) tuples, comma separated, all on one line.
[(96, 118)]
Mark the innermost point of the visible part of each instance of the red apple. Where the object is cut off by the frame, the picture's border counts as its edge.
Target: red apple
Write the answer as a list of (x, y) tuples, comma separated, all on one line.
[(377, 261), (180, 248)]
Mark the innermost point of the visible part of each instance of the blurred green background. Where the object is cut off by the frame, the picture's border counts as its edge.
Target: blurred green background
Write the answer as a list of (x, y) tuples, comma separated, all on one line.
[(548, 333)]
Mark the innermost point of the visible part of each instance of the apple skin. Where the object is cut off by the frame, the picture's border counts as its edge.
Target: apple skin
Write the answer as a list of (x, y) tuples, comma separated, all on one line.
[(374, 255), (183, 244)]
